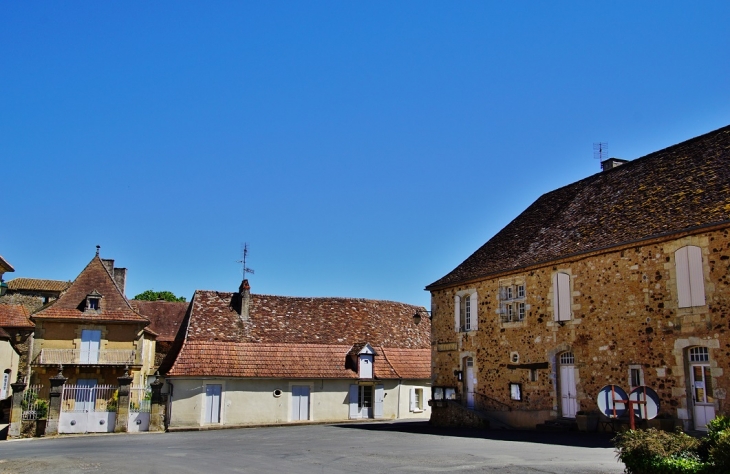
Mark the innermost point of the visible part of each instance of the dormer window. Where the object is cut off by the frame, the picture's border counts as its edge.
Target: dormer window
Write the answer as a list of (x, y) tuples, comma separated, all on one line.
[(365, 362), (93, 301)]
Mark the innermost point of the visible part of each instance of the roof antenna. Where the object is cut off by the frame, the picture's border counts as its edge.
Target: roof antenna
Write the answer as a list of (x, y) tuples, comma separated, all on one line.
[(97, 250), (244, 256), (600, 152)]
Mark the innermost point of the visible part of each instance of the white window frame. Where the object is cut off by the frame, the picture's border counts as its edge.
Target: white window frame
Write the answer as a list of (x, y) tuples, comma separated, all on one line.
[(639, 370), (466, 314), (416, 400), (690, 277)]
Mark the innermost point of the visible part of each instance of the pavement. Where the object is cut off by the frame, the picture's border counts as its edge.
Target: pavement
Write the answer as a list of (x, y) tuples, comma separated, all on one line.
[(357, 448)]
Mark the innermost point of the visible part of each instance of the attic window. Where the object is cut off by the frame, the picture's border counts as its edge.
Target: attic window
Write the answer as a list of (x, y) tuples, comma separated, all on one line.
[(93, 301)]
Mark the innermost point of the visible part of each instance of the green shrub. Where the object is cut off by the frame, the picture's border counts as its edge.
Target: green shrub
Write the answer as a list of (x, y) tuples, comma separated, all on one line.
[(719, 452), (652, 451)]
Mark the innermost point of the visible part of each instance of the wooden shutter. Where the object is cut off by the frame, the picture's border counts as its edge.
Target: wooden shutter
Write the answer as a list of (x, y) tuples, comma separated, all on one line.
[(354, 412), (561, 295), (696, 276), (379, 396), (473, 311), (457, 312), (413, 399), (681, 263)]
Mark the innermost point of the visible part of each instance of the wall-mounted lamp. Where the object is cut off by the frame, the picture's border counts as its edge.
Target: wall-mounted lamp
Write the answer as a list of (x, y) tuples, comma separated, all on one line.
[(417, 315), (3, 287)]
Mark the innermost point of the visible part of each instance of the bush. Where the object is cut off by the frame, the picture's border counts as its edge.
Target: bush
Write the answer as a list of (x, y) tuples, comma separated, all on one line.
[(652, 451)]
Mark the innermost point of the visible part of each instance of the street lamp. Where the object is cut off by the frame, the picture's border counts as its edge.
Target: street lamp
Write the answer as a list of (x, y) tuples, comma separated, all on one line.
[(417, 315), (3, 287)]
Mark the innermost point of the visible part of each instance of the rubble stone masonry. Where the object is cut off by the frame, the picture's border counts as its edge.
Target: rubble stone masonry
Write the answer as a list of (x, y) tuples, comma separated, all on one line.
[(624, 315)]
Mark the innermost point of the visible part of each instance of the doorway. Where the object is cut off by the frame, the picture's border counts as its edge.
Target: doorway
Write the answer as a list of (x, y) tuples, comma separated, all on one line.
[(212, 403), (469, 382), (703, 401), (568, 389), (299, 402)]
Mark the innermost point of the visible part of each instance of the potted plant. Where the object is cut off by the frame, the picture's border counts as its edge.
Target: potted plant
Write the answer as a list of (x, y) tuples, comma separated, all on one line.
[(586, 420)]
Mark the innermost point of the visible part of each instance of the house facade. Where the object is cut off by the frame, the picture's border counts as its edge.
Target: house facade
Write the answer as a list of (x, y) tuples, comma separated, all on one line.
[(91, 332), (622, 278), (259, 359)]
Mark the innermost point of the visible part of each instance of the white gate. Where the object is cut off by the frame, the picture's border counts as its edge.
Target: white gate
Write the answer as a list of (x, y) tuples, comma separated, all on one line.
[(88, 408), (140, 404)]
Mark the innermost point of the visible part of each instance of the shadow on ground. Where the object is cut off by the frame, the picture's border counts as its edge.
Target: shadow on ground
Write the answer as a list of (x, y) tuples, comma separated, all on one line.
[(568, 438)]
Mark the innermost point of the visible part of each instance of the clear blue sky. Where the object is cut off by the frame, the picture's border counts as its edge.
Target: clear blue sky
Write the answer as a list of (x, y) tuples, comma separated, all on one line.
[(362, 148)]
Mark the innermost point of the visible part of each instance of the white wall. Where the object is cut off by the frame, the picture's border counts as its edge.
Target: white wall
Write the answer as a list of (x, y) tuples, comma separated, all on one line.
[(252, 401)]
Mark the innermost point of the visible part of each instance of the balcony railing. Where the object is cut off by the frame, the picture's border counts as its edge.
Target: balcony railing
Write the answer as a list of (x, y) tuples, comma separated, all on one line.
[(79, 357)]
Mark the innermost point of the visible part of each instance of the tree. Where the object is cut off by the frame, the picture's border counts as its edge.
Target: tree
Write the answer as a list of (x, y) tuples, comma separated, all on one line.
[(151, 295)]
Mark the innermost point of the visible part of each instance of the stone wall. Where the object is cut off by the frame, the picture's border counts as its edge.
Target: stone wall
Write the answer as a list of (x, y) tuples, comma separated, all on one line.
[(624, 313)]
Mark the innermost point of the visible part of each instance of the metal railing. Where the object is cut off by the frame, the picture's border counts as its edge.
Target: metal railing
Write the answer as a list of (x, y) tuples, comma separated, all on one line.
[(34, 403), (140, 399), (79, 357), (84, 398), (486, 403)]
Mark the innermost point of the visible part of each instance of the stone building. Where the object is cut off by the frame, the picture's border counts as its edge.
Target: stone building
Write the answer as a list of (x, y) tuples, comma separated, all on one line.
[(260, 359), (33, 293), (621, 278)]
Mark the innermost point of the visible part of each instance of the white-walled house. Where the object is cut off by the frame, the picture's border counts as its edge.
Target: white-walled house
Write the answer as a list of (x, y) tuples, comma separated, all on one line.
[(256, 359)]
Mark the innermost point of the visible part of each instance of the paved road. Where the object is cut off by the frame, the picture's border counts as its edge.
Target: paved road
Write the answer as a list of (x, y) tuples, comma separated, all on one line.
[(357, 448)]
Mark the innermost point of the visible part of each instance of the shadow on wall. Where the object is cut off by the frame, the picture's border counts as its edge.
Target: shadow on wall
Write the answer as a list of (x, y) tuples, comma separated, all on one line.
[(568, 438)]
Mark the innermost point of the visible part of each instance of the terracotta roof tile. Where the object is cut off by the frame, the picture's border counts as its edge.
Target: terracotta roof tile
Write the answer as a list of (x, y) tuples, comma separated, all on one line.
[(681, 187), (35, 284), (409, 363), (14, 316), (95, 277), (4, 334), (165, 316)]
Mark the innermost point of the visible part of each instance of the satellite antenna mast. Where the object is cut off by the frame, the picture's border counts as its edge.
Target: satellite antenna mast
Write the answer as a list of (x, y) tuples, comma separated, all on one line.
[(244, 256), (600, 151)]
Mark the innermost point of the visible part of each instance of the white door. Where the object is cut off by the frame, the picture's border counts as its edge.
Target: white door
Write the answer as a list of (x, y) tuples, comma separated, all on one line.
[(90, 343), (379, 398), (299, 402), (85, 395), (704, 406), (568, 399), (470, 382), (212, 403)]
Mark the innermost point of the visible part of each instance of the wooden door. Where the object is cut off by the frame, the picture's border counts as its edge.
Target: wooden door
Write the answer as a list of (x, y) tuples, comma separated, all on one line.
[(569, 402), (469, 382), (703, 401), (90, 344), (300, 402)]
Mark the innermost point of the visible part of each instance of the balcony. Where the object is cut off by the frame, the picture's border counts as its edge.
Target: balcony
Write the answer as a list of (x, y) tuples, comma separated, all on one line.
[(79, 357)]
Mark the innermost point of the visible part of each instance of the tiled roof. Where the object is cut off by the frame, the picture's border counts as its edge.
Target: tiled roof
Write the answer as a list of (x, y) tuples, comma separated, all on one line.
[(35, 284), (71, 304), (284, 319), (4, 334), (14, 316), (165, 316), (409, 363), (681, 187), (297, 361)]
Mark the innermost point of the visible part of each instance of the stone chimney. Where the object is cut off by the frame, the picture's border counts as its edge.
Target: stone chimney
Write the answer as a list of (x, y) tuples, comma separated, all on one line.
[(120, 278), (109, 265), (245, 291), (612, 163)]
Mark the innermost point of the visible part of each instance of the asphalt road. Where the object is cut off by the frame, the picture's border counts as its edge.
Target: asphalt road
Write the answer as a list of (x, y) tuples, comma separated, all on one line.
[(356, 448)]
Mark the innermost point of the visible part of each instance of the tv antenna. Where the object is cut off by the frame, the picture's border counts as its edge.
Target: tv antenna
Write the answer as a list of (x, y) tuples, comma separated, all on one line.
[(600, 151), (244, 256)]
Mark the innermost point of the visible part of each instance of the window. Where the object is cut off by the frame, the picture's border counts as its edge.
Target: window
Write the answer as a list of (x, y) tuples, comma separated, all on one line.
[(567, 358), (512, 301), (515, 391), (636, 376), (465, 314), (699, 354), (533, 375), (93, 301), (416, 399), (690, 277), (561, 297)]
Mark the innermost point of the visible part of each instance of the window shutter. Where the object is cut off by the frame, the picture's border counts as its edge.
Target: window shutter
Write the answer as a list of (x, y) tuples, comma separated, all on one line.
[(413, 399), (474, 312), (681, 263), (696, 276), (457, 312), (354, 413), (379, 396), (561, 294)]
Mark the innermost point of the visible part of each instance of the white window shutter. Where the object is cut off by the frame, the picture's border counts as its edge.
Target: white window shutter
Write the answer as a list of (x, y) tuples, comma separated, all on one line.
[(379, 396), (413, 399), (681, 263), (696, 276), (561, 294), (457, 312), (473, 311), (354, 412)]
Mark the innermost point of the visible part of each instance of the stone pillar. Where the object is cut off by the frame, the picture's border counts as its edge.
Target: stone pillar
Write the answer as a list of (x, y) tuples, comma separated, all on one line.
[(54, 405), (16, 410), (125, 382), (158, 406)]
